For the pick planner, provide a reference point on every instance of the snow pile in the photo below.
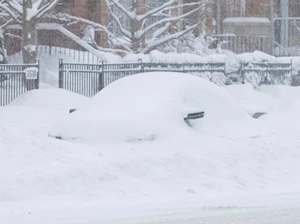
(50, 97)
(38, 110)
(252, 100)
(152, 113)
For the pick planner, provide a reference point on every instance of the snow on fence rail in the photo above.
(16, 80)
(88, 79)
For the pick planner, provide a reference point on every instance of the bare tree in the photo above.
(138, 27)
(27, 13)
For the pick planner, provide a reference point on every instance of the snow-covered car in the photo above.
(150, 106)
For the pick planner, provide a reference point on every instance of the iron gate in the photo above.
(16, 79)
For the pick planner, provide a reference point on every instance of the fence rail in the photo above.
(88, 79)
(16, 80)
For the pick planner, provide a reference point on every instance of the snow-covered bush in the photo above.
(296, 79)
(215, 77)
(189, 43)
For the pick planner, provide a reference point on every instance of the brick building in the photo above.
(250, 21)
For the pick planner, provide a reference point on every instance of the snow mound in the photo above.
(51, 97)
(152, 105)
(252, 100)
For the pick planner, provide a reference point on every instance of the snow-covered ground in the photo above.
(227, 168)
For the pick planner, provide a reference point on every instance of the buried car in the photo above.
(148, 106)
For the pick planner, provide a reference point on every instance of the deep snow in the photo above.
(244, 162)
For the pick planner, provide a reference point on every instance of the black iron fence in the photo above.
(88, 79)
(16, 80)
(267, 73)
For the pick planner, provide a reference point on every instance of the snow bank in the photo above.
(38, 110)
(153, 105)
(252, 100)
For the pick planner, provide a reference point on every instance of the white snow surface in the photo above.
(225, 162)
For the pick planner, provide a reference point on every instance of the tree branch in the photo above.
(158, 9)
(129, 14)
(9, 11)
(46, 8)
(169, 19)
(96, 25)
(116, 19)
(6, 23)
(155, 44)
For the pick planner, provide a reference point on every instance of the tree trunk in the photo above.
(29, 48)
(134, 28)
(2, 50)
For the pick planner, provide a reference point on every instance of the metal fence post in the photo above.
(37, 81)
(142, 66)
(61, 74)
(243, 74)
(292, 72)
(101, 77)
